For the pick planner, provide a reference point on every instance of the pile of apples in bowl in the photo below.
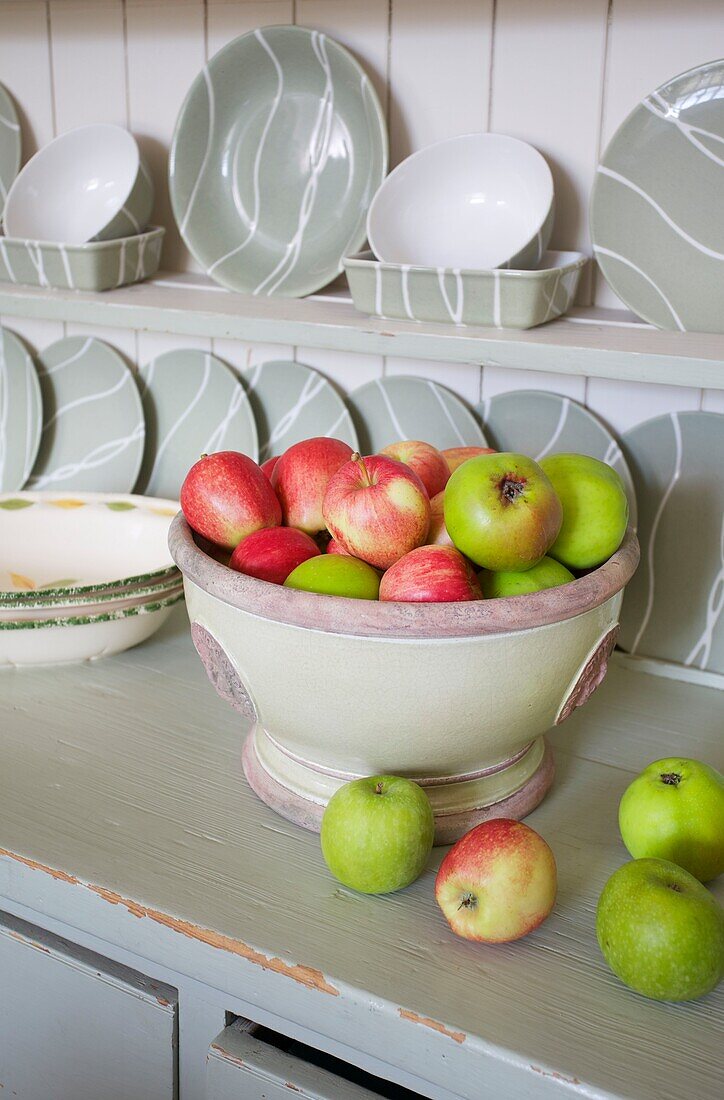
(416, 613)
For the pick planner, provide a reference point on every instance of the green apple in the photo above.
(336, 575)
(675, 810)
(595, 510)
(501, 511)
(546, 574)
(377, 833)
(661, 931)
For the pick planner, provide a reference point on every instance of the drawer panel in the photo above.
(74, 1025)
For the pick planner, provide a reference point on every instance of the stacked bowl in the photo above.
(82, 576)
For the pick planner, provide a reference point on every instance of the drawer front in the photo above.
(241, 1066)
(74, 1025)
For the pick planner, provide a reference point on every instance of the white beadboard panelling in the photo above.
(91, 30)
(649, 42)
(241, 355)
(37, 334)
(463, 378)
(546, 89)
(122, 339)
(227, 19)
(25, 70)
(502, 380)
(361, 27)
(151, 344)
(439, 71)
(347, 370)
(624, 404)
(713, 401)
(165, 54)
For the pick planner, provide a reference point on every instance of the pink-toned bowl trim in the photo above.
(369, 618)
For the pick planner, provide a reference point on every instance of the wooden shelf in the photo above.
(125, 817)
(592, 342)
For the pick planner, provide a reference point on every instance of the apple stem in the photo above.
(469, 901)
(380, 788)
(361, 463)
(672, 779)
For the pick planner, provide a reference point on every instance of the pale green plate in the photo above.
(278, 150)
(21, 413)
(537, 423)
(674, 605)
(93, 427)
(657, 208)
(401, 407)
(292, 402)
(193, 404)
(10, 144)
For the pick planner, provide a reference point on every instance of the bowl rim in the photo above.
(370, 618)
(485, 136)
(87, 618)
(163, 505)
(31, 165)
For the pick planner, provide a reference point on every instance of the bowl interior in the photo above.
(54, 543)
(467, 202)
(73, 187)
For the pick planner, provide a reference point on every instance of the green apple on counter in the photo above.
(548, 573)
(595, 509)
(336, 575)
(661, 931)
(675, 810)
(377, 833)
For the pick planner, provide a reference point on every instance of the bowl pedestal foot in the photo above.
(299, 790)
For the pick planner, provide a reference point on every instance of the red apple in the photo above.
(269, 465)
(225, 497)
(430, 574)
(273, 553)
(455, 456)
(437, 535)
(424, 459)
(377, 509)
(300, 480)
(333, 547)
(497, 883)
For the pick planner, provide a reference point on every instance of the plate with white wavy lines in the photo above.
(292, 402)
(278, 150)
(10, 144)
(93, 427)
(537, 423)
(674, 605)
(404, 407)
(193, 404)
(657, 206)
(21, 413)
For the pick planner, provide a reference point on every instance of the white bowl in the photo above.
(89, 184)
(479, 201)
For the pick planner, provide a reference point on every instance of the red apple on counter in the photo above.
(455, 456)
(300, 480)
(269, 465)
(333, 547)
(497, 883)
(273, 553)
(377, 509)
(225, 497)
(502, 512)
(437, 535)
(427, 462)
(430, 574)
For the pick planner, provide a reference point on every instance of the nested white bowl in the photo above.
(88, 184)
(479, 201)
(457, 696)
(82, 576)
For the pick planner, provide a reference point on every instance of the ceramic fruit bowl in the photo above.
(88, 184)
(82, 576)
(456, 696)
(477, 202)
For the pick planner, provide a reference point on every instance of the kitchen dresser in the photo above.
(165, 934)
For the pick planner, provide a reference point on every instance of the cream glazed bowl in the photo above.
(339, 688)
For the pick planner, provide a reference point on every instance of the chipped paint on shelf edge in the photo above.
(426, 1021)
